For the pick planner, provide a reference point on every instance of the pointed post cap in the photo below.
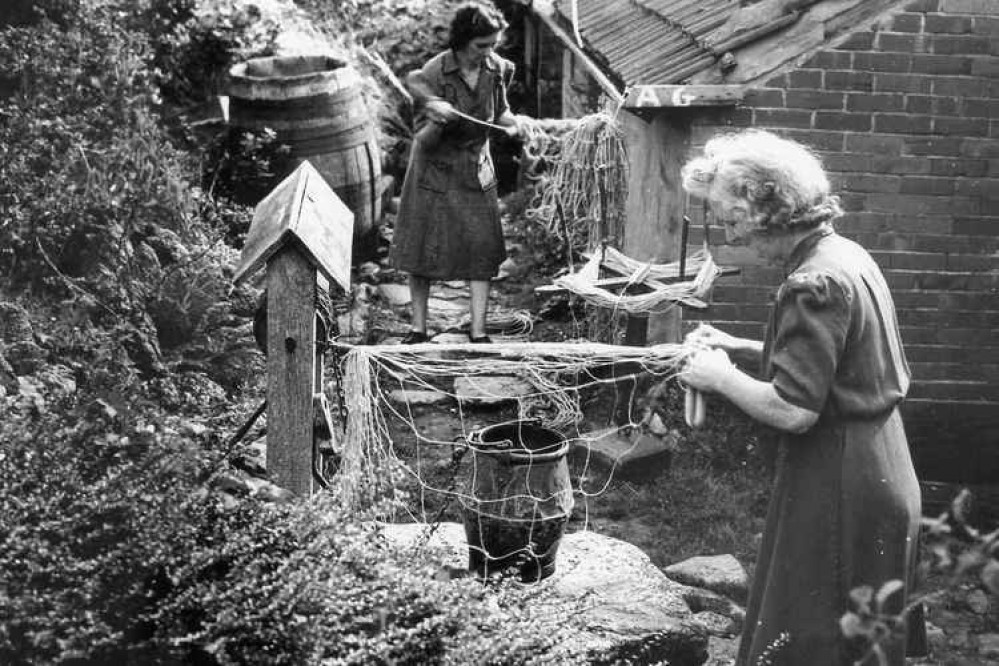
(304, 210)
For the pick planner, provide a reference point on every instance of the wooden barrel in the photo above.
(315, 106)
(519, 499)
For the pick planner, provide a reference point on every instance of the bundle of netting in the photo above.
(556, 372)
(580, 167)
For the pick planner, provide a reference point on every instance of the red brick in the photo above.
(961, 126)
(849, 81)
(915, 224)
(827, 60)
(976, 226)
(977, 187)
(899, 42)
(902, 123)
(953, 242)
(960, 44)
(900, 164)
(848, 162)
(782, 118)
(875, 102)
(804, 78)
(949, 24)
(958, 167)
(868, 182)
(931, 146)
(853, 203)
(906, 83)
(859, 41)
(926, 205)
(985, 66)
(874, 144)
(907, 23)
(818, 140)
(923, 6)
(917, 185)
(940, 106)
(985, 25)
(980, 108)
(959, 87)
(971, 262)
(814, 99)
(941, 65)
(985, 148)
(927, 261)
(763, 97)
(970, 7)
(847, 122)
(883, 62)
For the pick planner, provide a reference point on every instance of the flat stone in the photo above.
(719, 573)
(701, 600)
(394, 294)
(418, 396)
(632, 613)
(717, 625)
(639, 457)
(491, 390)
(988, 645)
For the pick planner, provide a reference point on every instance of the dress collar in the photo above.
(804, 247)
(450, 63)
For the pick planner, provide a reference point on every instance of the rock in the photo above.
(631, 612)
(719, 573)
(935, 636)
(716, 624)
(978, 602)
(8, 378)
(394, 294)
(418, 397)
(706, 601)
(491, 390)
(722, 651)
(638, 456)
(15, 325)
(25, 357)
(988, 646)
(252, 458)
(507, 269)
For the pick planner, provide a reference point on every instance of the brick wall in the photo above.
(906, 119)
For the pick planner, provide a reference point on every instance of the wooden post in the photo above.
(654, 209)
(303, 233)
(291, 368)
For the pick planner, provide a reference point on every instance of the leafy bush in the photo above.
(114, 549)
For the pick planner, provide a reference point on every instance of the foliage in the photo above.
(114, 549)
(958, 550)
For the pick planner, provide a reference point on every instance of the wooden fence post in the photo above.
(302, 232)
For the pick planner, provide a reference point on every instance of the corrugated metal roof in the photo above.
(649, 41)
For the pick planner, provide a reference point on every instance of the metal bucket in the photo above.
(519, 499)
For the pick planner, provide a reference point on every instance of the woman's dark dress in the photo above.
(448, 226)
(845, 509)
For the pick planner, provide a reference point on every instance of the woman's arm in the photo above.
(712, 371)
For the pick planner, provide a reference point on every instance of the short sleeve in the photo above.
(812, 322)
(507, 70)
(425, 85)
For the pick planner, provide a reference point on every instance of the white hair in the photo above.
(783, 180)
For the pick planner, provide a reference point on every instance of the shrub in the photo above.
(114, 550)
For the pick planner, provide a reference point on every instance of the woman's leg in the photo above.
(419, 294)
(479, 292)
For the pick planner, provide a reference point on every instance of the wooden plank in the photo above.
(291, 344)
(302, 207)
(664, 96)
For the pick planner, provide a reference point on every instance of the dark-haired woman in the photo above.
(845, 509)
(448, 227)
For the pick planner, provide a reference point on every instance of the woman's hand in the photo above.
(707, 370)
(440, 111)
(706, 335)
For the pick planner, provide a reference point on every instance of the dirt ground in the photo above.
(963, 620)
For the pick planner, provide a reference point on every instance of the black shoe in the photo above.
(414, 338)
(484, 340)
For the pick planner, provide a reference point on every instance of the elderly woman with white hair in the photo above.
(845, 509)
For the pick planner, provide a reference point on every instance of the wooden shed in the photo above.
(901, 100)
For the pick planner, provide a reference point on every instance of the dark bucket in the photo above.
(519, 499)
